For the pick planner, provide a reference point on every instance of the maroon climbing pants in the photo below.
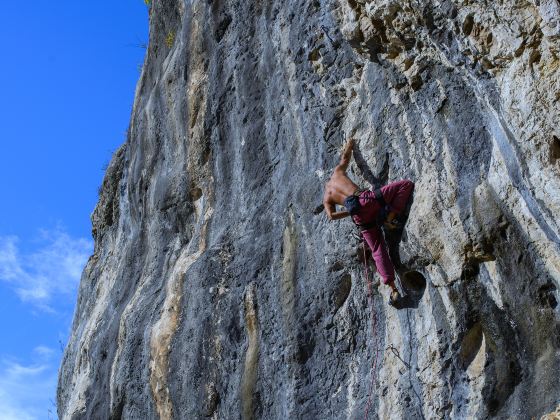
(396, 195)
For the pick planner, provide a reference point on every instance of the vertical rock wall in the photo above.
(218, 289)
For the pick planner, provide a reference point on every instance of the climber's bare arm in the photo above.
(346, 156)
(332, 214)
(339, 215)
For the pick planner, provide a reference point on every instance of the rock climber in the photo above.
(369, 210)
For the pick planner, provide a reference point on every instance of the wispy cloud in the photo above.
(44, 352)
(27, 392)
(50, 270)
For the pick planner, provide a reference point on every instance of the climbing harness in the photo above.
(352, 204)
(368, 281)
(353, 200)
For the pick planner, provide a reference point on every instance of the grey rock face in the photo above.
(218, 289)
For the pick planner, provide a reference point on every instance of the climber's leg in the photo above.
(376, 243)
(396, 195)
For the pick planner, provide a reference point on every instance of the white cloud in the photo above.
(27, 392)
(43, 352)
(51, 270)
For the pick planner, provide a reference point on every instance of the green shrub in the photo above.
(170, 39)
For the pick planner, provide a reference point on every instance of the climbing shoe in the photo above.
(393, 224)
(394, 298)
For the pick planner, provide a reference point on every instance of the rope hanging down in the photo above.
(395, 351)
(368, 281)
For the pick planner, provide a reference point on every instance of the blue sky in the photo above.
(69, 70)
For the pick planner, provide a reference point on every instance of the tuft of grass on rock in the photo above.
(170, 39)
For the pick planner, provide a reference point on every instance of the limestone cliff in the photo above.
(218, 289)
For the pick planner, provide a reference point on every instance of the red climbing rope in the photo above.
(373, 327)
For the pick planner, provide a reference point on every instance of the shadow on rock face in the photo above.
(470, 345)
(545, 296)
(342, 291)
(413, 284)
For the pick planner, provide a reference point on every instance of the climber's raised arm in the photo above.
(346, 156)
